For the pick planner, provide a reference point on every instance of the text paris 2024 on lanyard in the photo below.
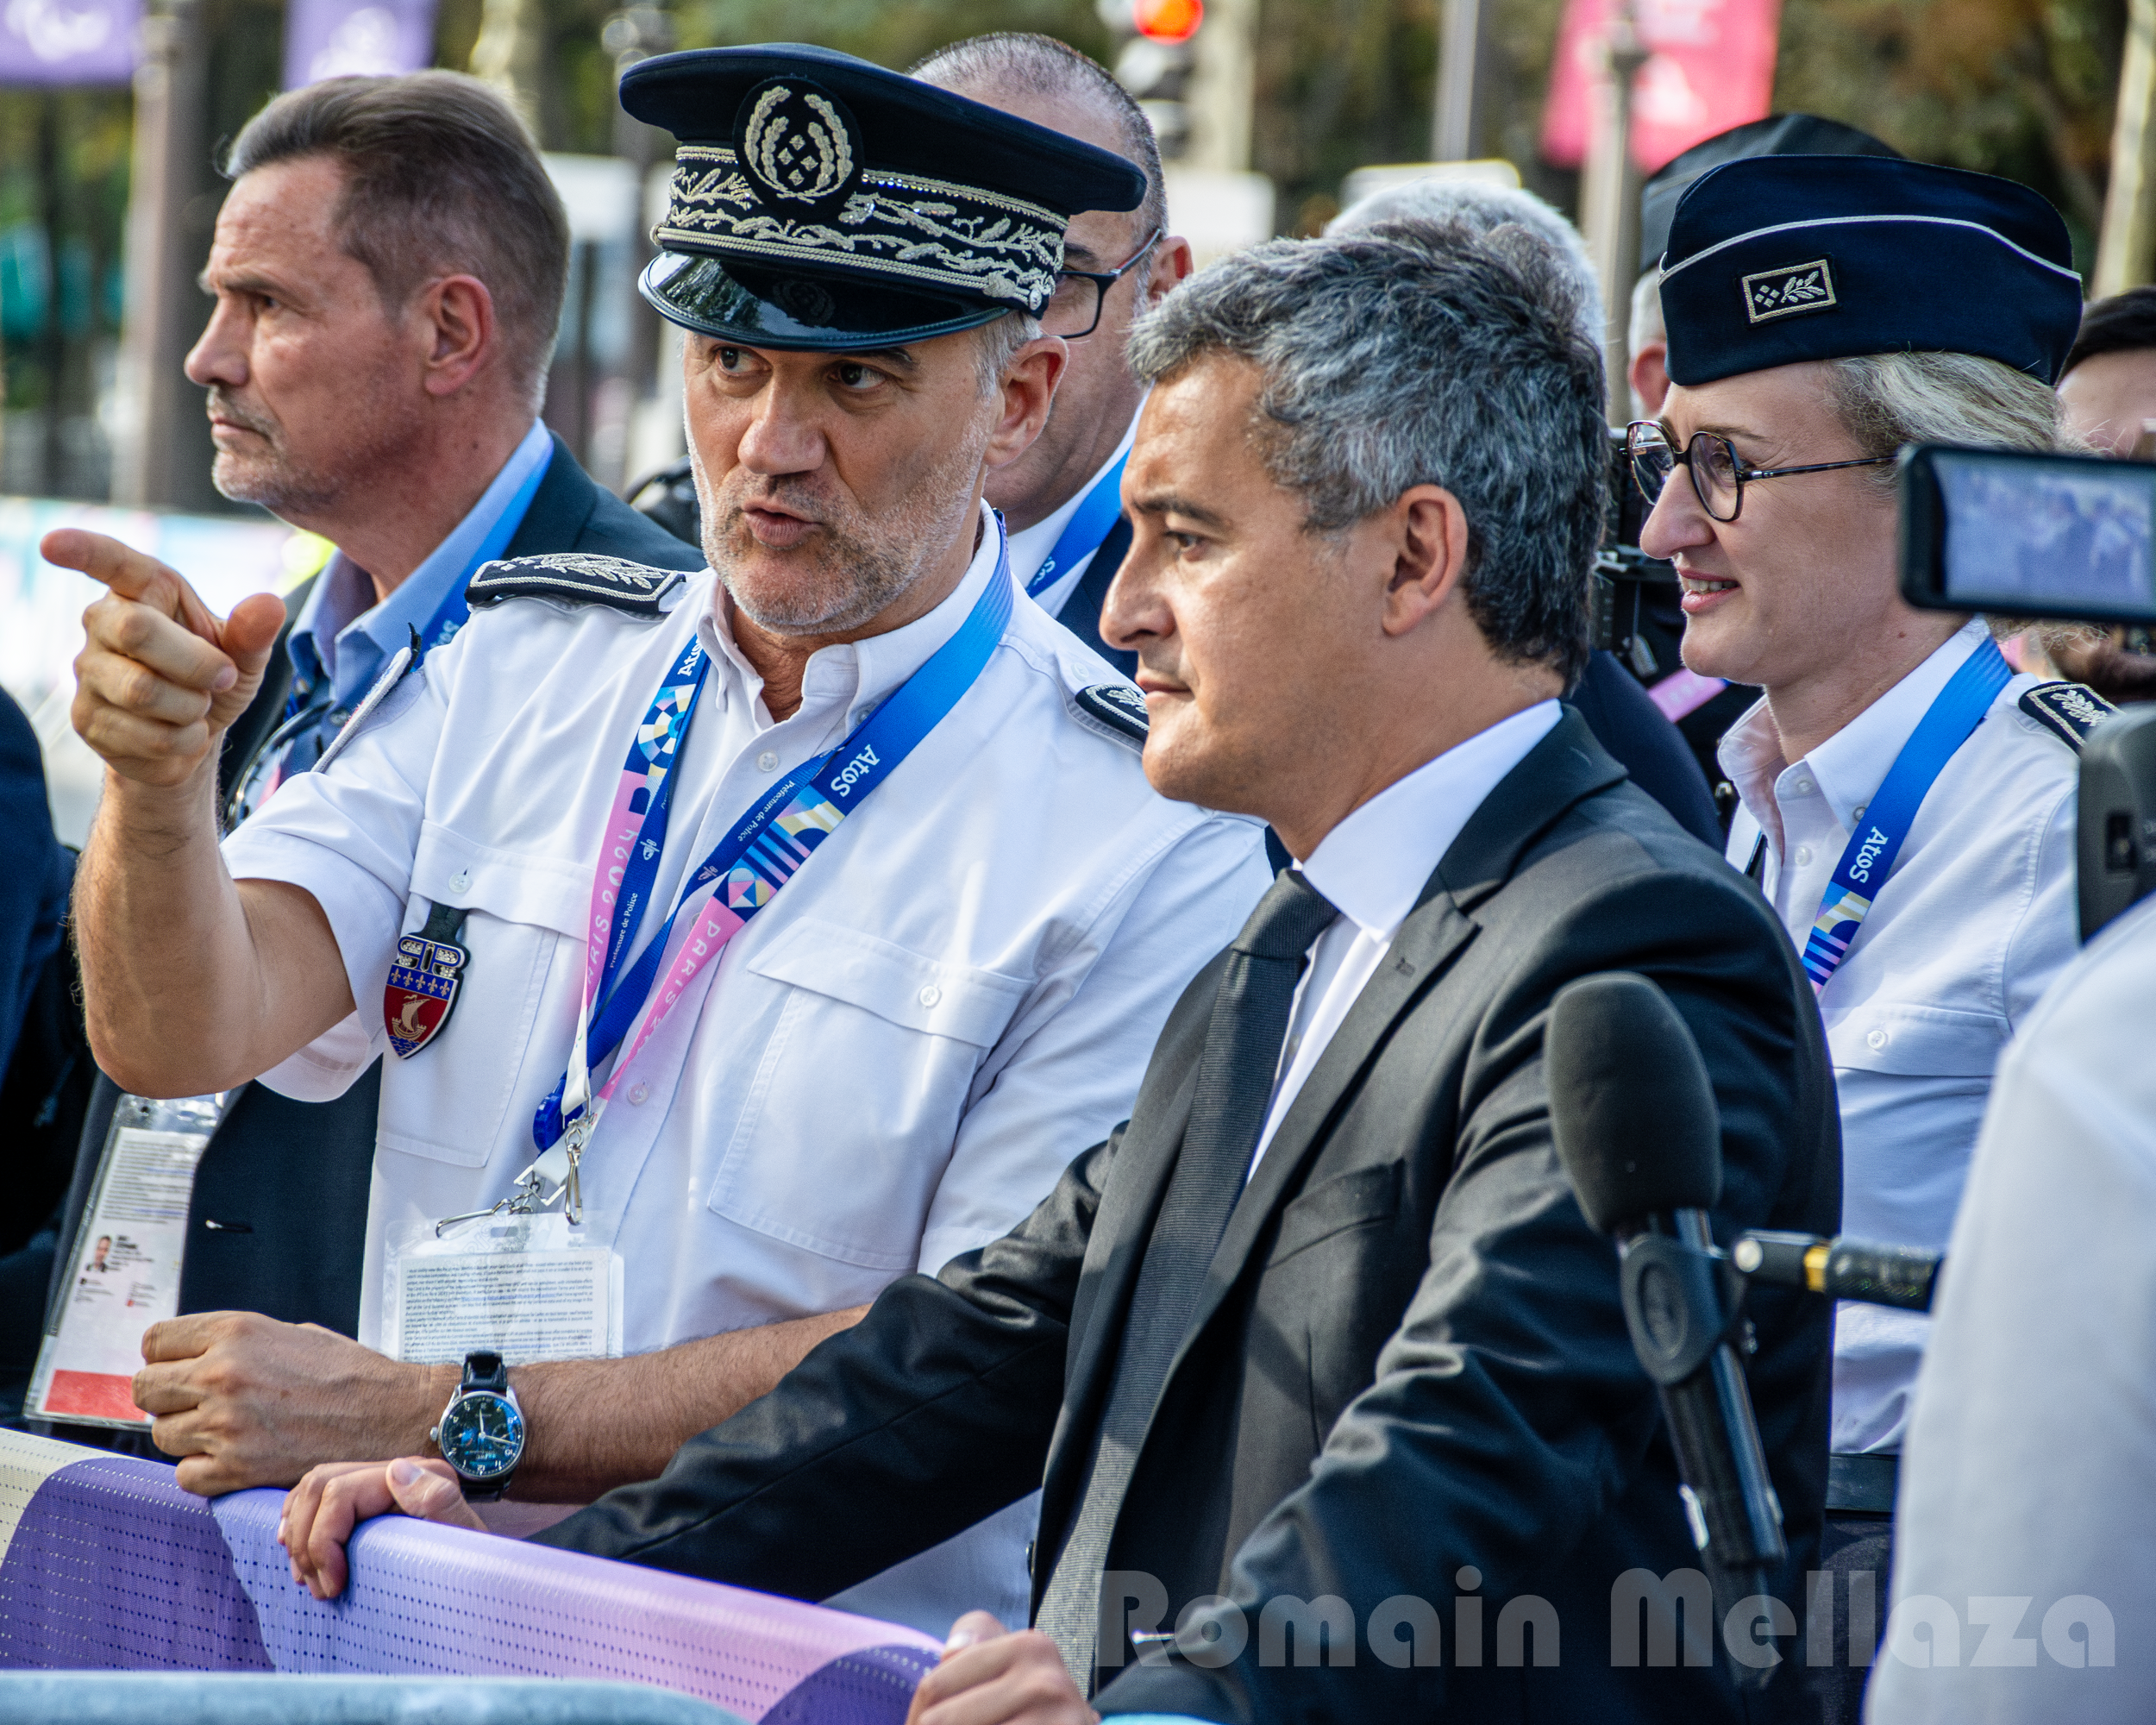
(531, 1284)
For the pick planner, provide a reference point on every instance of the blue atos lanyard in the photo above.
(1088, 526)
(1869, 857)
(742, 875)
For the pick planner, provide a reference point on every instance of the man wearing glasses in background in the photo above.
(1061, 498)
(1908, 802)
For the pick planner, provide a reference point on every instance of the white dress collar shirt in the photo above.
(1373, 866)
(1976, 919)
(1029, 548)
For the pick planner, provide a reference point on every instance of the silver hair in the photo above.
(1412, 354)
(998, 342)
(1481, 208)
(1017, 63)
(1888, 401)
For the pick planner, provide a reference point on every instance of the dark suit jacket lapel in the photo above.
(1117, 1247)
(1567, 765)
(563, 503)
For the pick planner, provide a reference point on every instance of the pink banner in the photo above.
(1711, 67)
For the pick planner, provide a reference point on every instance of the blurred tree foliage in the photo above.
(575, 105)
(59, 279)
(893, 33)
(2019, 87)
(2023, 88)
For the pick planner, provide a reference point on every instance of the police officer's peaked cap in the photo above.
(1784, 134)
(1783, 259)
(822, 202)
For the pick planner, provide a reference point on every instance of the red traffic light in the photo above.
(1168, 21)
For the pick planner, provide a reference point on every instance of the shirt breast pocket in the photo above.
(856, 1102)
(1917, 1042)
(450, 1102)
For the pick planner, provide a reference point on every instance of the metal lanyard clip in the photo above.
(555, 1177)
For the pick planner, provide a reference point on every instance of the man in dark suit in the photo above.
(388, 272)
(1319, 1345)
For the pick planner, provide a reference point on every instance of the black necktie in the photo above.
(1250, 1020)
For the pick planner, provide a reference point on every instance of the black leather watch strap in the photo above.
(485, 1370)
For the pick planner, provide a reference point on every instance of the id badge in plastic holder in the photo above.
(128, 1251)
(527, 1288)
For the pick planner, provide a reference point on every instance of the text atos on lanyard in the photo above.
(741, 875)
(1869, 855)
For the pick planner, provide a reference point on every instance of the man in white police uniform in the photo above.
(388, 271)
(1063, 497)
(825, 1070)
(1908, 801)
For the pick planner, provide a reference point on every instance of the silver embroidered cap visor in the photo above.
(821, 203)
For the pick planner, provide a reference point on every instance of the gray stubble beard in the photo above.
(877, 571)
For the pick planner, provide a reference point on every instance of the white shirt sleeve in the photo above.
(2026, 1522)
(348, 836)
(2049, 933)
(1063, 1076)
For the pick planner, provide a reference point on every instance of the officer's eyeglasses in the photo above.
(1718, 476)
(1073, 311)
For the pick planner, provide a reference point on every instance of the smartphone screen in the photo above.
(2051, 536)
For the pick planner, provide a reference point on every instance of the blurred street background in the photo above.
(1273, 114)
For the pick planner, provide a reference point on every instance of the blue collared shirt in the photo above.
(343, 635)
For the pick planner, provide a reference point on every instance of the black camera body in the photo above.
(2057, 539)
(1637, 617)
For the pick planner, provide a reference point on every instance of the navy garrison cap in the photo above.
(1784, 134)
(1782, 259)
(824, 204)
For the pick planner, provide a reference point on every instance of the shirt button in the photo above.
(930, 994)
(639, 1094)
(1803, 855)
(1877, 1040)
(460, 881)
(767, 762)
(1804, 788)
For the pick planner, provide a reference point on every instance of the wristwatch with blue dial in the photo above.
(482, 1430)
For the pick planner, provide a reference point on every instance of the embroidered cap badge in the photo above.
(1793, 288)
(798, 143)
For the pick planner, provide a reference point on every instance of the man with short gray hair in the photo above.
(1320, 1335)
(386, 275)
(1609, 697)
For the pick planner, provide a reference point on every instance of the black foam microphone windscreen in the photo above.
(1630, 1104)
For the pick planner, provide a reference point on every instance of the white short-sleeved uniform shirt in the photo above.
(2025, 1501)
(1975, 921)
(889, 1066)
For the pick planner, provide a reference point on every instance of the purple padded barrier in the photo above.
(111, 1566)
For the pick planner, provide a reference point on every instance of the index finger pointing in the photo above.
(131, 573)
